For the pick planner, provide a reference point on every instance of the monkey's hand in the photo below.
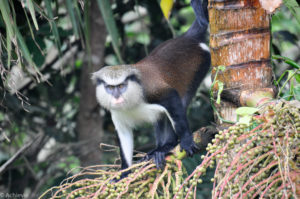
(187, 144)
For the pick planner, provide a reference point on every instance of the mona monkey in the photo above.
(158, 90)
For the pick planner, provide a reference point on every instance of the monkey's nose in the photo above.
(118, 100)
(116, 93)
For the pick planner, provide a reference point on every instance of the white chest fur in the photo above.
(126, 120)
(143, 113)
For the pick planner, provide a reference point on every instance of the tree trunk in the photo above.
(240, 41)
(89, 121)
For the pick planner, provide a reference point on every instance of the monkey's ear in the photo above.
(95, 77)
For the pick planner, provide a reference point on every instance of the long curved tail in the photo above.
(199, 26)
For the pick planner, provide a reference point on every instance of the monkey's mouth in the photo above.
(117, 101)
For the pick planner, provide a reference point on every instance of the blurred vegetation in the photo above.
(43, 50)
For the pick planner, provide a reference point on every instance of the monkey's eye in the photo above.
(122, 87)
(110, 87)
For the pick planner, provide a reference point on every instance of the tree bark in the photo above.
(240, 41)
(89, 121)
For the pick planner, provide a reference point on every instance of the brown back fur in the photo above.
(173, 64)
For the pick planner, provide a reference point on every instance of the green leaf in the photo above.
(28, 22)
(10, 34)
(26, 54)
(86, 28)
(79, 20)
(32, 13)
(293, 6)
(1, 117)
(296, 91)
(8, 48)
(143, 38)
(70, 9)
(291, 74)
(212, 98)
(222, 68)
(65, 32)
(24, 48)
(62, 165)
(245, 119)
(243, 111)
(78, 14)
(110, 23)
(40, 10)
(280, 78)
(45, 30)
(220, 90)
(287, 60)
(6, 14)
(35, 47)
(78, 63)
(53, 24)
(297, 77)
(35, 44)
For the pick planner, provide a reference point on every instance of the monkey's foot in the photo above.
(158, 156)
(189, 146)
(124, 174)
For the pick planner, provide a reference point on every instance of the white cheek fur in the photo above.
(133, 95)
(103, 97)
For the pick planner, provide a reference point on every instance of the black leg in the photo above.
(172, 102)
(124, 164)
(166, 140)
(166, 135)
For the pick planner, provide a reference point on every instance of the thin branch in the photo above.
(16, 155)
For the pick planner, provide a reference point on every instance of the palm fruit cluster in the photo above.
(255, 160)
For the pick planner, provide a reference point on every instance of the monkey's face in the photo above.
(117, 89)
(122, 96)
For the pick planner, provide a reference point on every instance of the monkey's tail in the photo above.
(199, 26)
